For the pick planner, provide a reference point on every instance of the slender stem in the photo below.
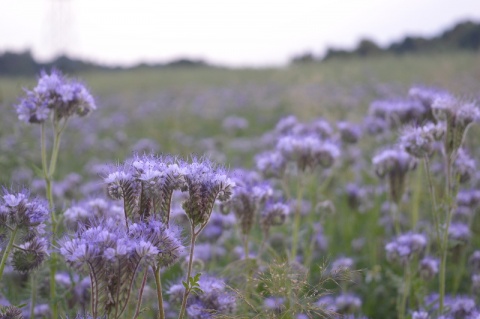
(296, 219)
(416, 197)
(53, 295)
(158, 283)
(460, 270)
(431, 189)
(189, 272)
(33, 295)
(140, 295)
(7, 250)
(394, 212)
(43, 150)
(49, 172)
(405, 293)
(245, 246)
(444, 244)
(56, 147)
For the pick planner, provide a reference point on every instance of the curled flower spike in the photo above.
(428, 267)
(146, 185)
(85, 211)
(397, 112)
(464, 166)
(18, 210)
(349, 132)
(308, 151)
(250, 195)
(112, 255)
(418, 141)
(205, 184)
(30, 255)
(55, 94)
(458, 115)
(394, 163)
(274, 214)
(271, 164)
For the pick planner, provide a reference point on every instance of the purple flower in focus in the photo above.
(55, 94)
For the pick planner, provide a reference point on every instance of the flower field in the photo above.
(341, 189)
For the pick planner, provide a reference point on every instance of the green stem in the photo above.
(444, 244)
(56, 147)
(140, 295)
(53, 295)
(459, 270)
(7, 250)
(43, 151)
(405, 293)
(296, 220)
(436, 220)
(49, 172)
(416, 197)
(245, 246)
(33, 295)
(396, 223)
(158, 283)
(189, 272)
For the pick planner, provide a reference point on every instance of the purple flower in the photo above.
(459, 233)
(420, 315)
(55, 93)
(418, 141)
(271, 164)
(250, 195)
(405, 246)
(308, 151)
(428, 267)
(349, 132)
(273, 214)
(205, 184)
(18, 210)
(347, 303)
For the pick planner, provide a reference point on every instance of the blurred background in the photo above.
(248, 33)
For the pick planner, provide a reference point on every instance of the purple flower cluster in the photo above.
(394, 163)
(55, 94)
(86, 211)
(345, 303)
(418, 141)
(112, 255)
(405, 247)
(20, 213)
(273, 214)
(306, 145)
(457, 307)
(212, 301)
(205, 183)
(18, 210)
(251, 193)
(146, 184)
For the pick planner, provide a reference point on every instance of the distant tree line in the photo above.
(464, 36)
(23, 63)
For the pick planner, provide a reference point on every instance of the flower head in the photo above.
(55, 94)
(205, 184)
(405, 246)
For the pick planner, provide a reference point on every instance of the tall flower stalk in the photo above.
(457, 116)
(205, 184)
(55, 98)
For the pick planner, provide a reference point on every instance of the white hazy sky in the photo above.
(228, 32)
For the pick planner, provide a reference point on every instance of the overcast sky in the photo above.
(228, 32)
